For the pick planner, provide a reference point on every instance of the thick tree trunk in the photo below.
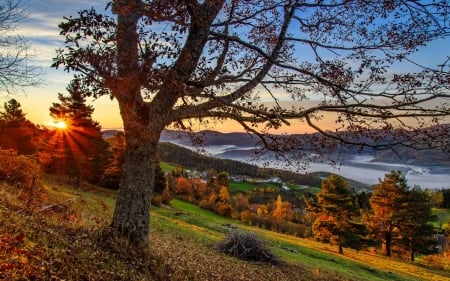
(132, 213)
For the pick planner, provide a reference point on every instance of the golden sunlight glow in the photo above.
(60, 125)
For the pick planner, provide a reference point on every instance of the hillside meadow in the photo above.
(65, 238)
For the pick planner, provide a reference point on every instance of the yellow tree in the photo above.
(225, 59)
(283, 209)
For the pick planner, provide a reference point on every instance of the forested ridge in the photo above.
(189, 159)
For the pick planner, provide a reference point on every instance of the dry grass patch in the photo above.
(180, 258)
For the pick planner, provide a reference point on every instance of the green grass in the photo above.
(243, 187)
(310, 189)
(443, 216)
(208, 227)
(166, 167)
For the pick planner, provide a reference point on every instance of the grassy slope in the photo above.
(182, 238)
(208, 227)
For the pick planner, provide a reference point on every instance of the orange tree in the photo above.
(178, 62)
(336, 214)
(387, 202)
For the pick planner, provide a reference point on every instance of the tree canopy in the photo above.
(182, 62)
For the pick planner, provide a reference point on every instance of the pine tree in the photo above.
(13, 114)
(16, 132)
(387, 202)
(82, 146)
(336, 213)
(416, 228)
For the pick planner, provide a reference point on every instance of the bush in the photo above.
(247, 246)
(19, 179)
(18, 170)
(439, 261)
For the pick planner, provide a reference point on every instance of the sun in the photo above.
(60, 125)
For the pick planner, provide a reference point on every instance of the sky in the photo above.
(41, 29)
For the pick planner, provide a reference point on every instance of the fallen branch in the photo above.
(47, 207)
(58, 204)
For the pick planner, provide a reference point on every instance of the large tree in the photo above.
(388, 203)
(181, 62)
(336, 213)
(15, 70)
(417, 230)
(83, 151)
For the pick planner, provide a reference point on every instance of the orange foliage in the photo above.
(183, 186)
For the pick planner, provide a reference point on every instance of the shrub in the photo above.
(19, 177)
(439, 261)
(18, 170)
(247, 246)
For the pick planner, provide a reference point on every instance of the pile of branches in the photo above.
(247, 246)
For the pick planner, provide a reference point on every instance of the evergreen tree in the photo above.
(16, 132)
(12, 114)
(387, 202)
(84, 151)
(416, 228)
(335, 213)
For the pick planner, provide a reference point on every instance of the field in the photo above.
(243, 187)
(166, 167)
(443, 216)
(65, 242)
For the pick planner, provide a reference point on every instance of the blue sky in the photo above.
(41, 29)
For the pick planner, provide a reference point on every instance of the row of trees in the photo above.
(399, 217)
(396, 218)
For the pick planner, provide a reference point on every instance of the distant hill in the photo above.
(172, 153)
(241, 144)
